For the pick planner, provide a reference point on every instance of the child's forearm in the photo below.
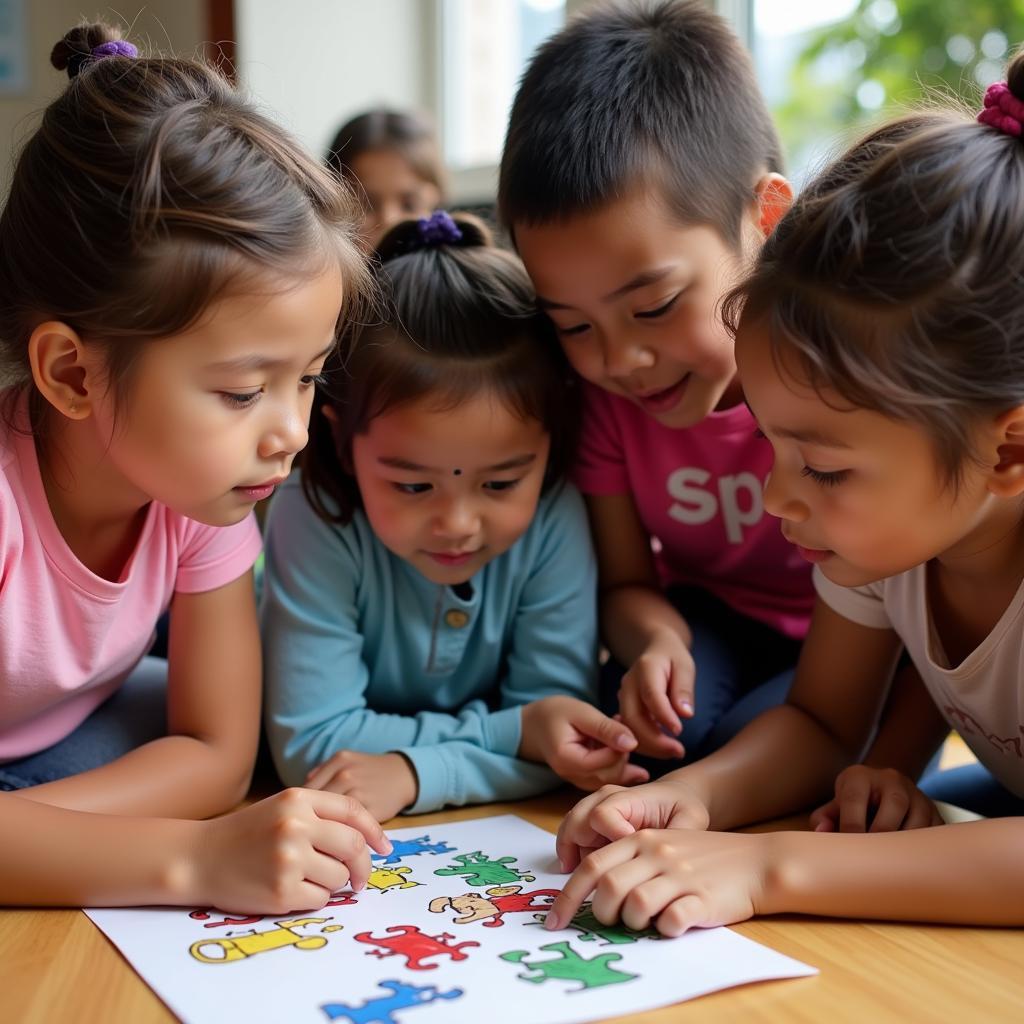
(174, 777)
(781, 763)
(970, 873)
(632, 615)
(55, 857)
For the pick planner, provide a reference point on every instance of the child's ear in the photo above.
(774, 196)
(61, 368)
(1007, 477)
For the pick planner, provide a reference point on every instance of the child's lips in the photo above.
(662, 400)
(451, 557)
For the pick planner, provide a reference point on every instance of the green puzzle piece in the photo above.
(612, 934)
(478, 869)
(570, 966)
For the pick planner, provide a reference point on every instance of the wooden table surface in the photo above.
(55, 966)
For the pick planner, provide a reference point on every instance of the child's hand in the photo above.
(656, 693)
(286, 853)
(874, 800)
(383, 783)
(579, 743)
(674, 879)
(613, 813)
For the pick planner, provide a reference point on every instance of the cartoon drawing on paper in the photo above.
(410, 848)
(241, 947)
(568, 965)
(391, 878)
(491, 905)
(414, 945)
(478, 869)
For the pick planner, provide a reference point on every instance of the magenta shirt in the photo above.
(698, 494)
(69, 638)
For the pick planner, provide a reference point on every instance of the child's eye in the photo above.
(832, 479)
(568, 332)
(500, 485)
(241, 399)
(653, 314)
(411, 488)
(312, 379)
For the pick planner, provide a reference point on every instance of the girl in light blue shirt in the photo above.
(429, 614)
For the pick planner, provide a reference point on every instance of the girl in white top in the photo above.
(881, 345)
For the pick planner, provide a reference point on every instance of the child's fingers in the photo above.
(576, 833)
(923, 814)
(681, 689)
(347, 811)
(891, 812)
(633, 774)
(583, 882)
(650, 739)
(617, 736)
(687, 912)
(826, 817)
(854, 802)
(653, 685)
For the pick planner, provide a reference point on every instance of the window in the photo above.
(485, 45)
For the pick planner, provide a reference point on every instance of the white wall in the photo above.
(177, 25)
(341, 56)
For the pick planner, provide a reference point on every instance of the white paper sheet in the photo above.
(448, 932)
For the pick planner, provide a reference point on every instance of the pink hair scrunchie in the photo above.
(1003, 110)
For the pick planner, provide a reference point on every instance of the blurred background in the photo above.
(828, 67)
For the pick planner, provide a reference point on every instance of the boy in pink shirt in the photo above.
(640, 175)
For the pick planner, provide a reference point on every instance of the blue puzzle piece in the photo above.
(409, 848)
(380, 1010)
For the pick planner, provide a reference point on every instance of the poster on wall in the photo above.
(13, 47)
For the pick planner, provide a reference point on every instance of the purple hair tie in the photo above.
(115, 48)
(438, 229)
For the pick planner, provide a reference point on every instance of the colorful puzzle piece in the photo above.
(241, 947)
(568, 965)
(414, 945)
(410, 848)
(612, 934)
(382, 1009)
(391, 878)
(478, 869)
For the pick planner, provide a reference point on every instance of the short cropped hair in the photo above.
(662, 93)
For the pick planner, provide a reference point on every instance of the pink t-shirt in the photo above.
(69, 638)
(698, 493)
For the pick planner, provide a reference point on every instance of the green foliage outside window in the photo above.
(890, 54)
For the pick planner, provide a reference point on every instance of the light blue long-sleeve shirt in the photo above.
(362, 652)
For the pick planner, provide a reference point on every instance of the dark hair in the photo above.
(150, 189)
(460, 318)
(895, 279)
(659, 93)
(406, 133)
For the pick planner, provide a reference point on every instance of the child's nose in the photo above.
(625, 354)
(458, 518)
(781, 500)
(287, 435)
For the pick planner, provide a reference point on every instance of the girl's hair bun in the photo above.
(438, 231)
(76, 45)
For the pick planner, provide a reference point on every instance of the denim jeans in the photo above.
(134, 715)
(973, 787)
(743, 667)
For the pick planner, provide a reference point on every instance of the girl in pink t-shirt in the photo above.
(172, 272)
